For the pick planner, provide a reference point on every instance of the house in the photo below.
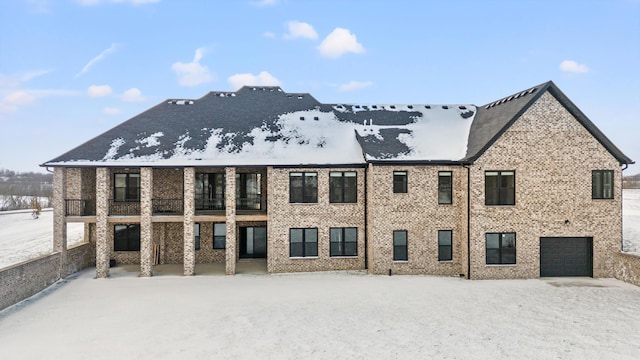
(522, 187)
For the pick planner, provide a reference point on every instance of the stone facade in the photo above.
(322, 215)
(552, 155)
(627, 268)
(418, 212)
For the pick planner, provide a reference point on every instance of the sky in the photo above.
(72, 69)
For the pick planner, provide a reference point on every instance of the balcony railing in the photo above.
(253, 202)
(75, 207)
(167, 206)
(214, 204)
(127, 207)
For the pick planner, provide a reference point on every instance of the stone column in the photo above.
(189, 211)
(146, 227)
(59, 212)
(230, 207)
(103, 250)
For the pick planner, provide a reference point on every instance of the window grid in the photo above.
(303, 187)
(500, 248)
(343, 241)
(219, 235)
(602, 184)
(445, 245)
(445, 187)
(400, 245)
(303, 242)
(500, 187)
(343, 187)
(126, 237)
(400, 182)
(126, 187)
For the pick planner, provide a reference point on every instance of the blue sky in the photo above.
(71, 69)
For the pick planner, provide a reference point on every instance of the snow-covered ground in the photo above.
(631, 220)
(331, 315)
(23, 237)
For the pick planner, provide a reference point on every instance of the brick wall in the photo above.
(553, 156)
(627, 268)
(419, 213)
(322, 215)
(27, 278)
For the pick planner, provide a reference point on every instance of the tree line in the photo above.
(18, 189)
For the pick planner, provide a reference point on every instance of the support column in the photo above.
(59, 222)
(230, 207)
(103, 250)
(146, 227)
(189, 211)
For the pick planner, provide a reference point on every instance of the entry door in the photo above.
(253, 242)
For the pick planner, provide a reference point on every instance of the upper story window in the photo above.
(399, 181)
(209, 190)
(303, 187)
(248, 191)
(602, 184)
(445, 187)
(126, 187)
(500, 188)
(343, 187)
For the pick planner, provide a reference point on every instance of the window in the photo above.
(400, 245)
(209, 191)
(444, 245)
(501, 248)
(303, 187)
(303, 242)
(219, 235)
(196, 236)
(248, 191)
(126, 237)
(126, 187)
(344, 242)
(399, 181)
(343, 187)
(602, 184)
(445, 187)
(500, 188)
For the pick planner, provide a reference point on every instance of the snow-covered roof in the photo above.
(266, 126)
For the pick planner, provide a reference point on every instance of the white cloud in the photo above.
(13, 100)
(269, 34)
(299, 29)
(102, 55)
(262, 79)
(17, 80)
(340, 42)
(99, 90)
(573, 67)
(264, 2)
(111, 111)
(132, 95)
(193, 73)
(355, 85)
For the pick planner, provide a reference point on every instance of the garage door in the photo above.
(566, 256)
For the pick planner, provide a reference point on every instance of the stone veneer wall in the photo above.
(322, 215)
(419, 213)
(20, 281)
(553, 156)
(627, 268)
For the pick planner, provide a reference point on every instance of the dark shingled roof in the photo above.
(494, 118)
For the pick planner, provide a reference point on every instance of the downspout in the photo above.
(468, 221)
(366, 228)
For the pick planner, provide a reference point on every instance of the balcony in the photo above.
(126, 208)
(253, 202)
(75, 207)
(204, 205)
(167, 206)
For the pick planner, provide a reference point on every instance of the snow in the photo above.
(345, 315)
(631, 220)
(23, 237)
